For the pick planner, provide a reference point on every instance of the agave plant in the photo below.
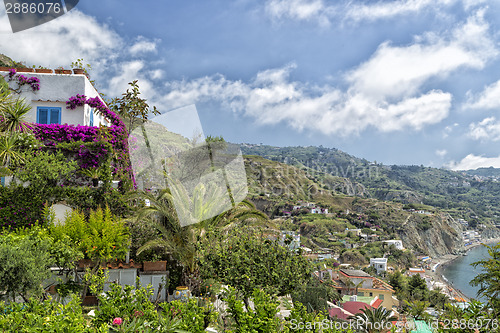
(13, 116)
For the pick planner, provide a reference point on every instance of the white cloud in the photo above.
(142, 46)
(385, 92)
(396, 71)
(298, 10)
(472, 161)
(61, 41)
(487, 129)
(387, 9)
(354, 11)
(441, 152)
(489, 98)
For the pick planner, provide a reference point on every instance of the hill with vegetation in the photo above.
(460, 194)
(277, 187)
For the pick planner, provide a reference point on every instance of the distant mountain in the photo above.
(461, 194)
(490, 172)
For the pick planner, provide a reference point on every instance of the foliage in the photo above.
(262, 318)
(374, 320)
(246, 260)
(45, 169)
(24, 262)
(195, 317)
(47, 316)
(134, 109)
(315, 294)
(126, 302)
(100, 237)
(489, 280)
(19, 207)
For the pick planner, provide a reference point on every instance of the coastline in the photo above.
(443, 262)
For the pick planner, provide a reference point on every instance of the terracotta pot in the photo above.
(78, 71)
(82, 263)
(63, 71)
(151, 266)
(90, 300)
(5, 69)
(25, 70)
(43, 70)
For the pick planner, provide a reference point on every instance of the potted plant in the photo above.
(41, 69)
(25, 70)
(93, 173)
(154, 264)
(80, 68)
(61, 70)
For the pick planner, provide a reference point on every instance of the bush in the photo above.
(46, 316)
(126, 302)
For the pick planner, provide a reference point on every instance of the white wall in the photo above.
(55, 90)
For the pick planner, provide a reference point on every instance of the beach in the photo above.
(436, 279)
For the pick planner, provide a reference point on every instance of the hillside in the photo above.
(275, 187)
(460, 194)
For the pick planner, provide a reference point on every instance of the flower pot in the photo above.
(25, 70)
(83, 263)
(90, 300)
(62, 71)
(152, 266)
(182, 293)
(5, 69)
(78, 71)
(44, 70)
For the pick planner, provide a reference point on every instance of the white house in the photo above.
(380, 264)
(49, 102)
(396, 242)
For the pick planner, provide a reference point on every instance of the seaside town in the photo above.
(305, 166)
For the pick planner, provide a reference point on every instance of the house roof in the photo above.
(340, 313)
(354, 306)
(355, 273)
(377, 303)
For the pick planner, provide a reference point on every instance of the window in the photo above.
(380, 296)
(361, 293)
(48, 115)
(91, 121)
(371, 294)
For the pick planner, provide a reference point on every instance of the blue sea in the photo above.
(460, 272)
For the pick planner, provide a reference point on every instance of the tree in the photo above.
(489, 280)
(374, 320)
(133, 109)
(248, 259)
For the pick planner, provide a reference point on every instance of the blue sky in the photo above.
(399, 82)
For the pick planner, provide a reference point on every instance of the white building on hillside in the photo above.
(49, 102)
(380, 264)
(396, 242)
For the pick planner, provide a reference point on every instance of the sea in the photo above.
(459, 272)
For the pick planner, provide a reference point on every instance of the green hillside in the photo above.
(458, 193)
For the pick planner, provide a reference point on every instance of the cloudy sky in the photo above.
(398, 82)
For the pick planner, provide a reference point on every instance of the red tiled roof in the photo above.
(354, 306)
(338, 313)
(377, 303)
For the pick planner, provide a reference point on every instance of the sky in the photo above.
(413, 82)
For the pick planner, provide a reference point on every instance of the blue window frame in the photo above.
(48, 115)
(91, 122)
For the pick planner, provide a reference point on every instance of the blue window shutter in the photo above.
(2, 181)
(91, 123)
(46, 115)
(55, 115)
(42, 116)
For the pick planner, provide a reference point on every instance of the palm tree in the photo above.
(10, 150)
(13, 116)
(374, 320)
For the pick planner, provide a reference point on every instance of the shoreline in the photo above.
(443, 262)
